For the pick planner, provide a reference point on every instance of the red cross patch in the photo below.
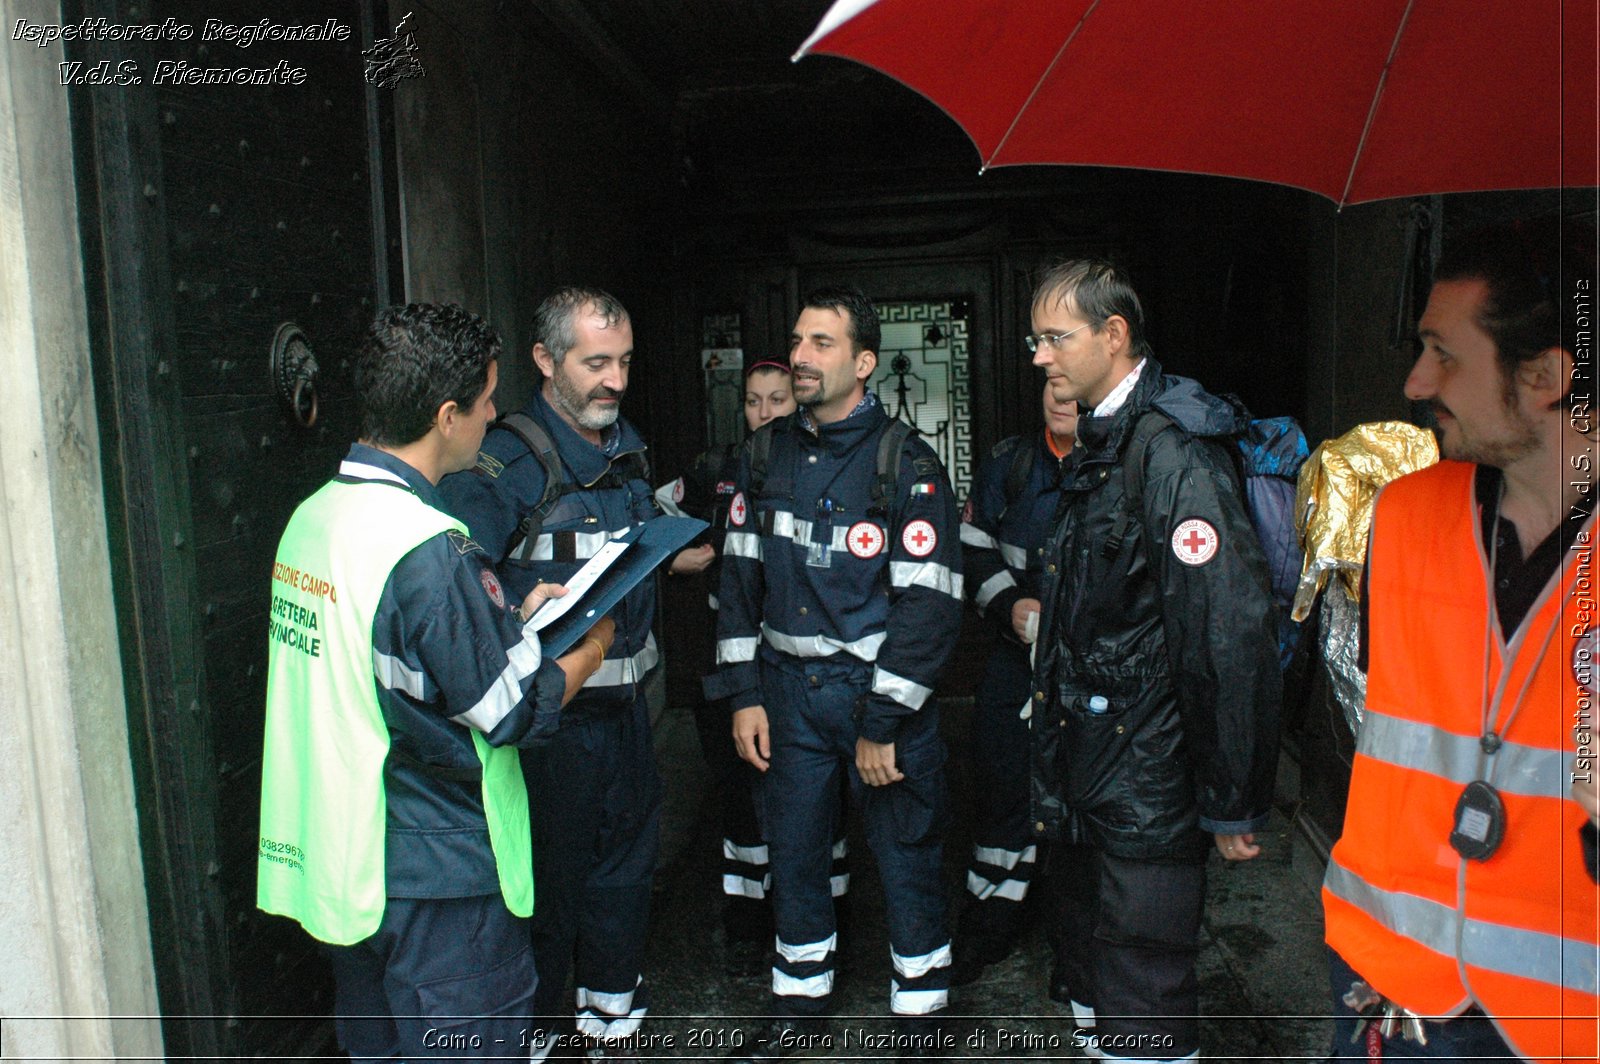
(738, 512)
(865, 539)
(1586, 659)
(919, 538)
(491, 585)
(1195, 542)
(677, 490)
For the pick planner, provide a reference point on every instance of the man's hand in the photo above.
(750, 736)
(540, 594)
(1019, 616)
(1238, 847)
(875, 762)
(1584, 793)
(692, 560)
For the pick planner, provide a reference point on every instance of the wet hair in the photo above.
(1096, 289)
(865, 332)
(1540, 276)
(416, 358)
(555, 322)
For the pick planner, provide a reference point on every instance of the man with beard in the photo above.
(840, 601)
(552, 485)
(1459, 900)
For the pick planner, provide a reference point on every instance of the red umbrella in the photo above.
(1360, 100)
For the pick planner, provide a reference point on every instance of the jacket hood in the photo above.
(1196, 410)
(1191, 408)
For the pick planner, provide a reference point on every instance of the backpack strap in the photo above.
(542, 447)
(1149, 425)
(890, 441)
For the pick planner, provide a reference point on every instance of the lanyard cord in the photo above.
(1492, 731)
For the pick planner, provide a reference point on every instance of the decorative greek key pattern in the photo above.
(922, 378)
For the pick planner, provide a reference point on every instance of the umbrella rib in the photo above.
(1039, 85)
(1372, 111)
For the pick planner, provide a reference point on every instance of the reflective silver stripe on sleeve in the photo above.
(908, 693)
(973, 536)
(917, 967)
(821, 646)
(737, 651)
(585, 545)
(992, 587)
(1530, 771)
(395, 675)
(930, 575)
(742, 545)
(522, 661)
(614, 672)
(1014, 556)
(1536, 955)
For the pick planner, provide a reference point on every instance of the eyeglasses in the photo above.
(1051, 340)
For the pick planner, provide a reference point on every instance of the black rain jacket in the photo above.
(1185, 655)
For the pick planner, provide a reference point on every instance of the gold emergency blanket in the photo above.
(1333, 508)
(1333, 505)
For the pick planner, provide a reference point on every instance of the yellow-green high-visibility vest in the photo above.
(321, 858)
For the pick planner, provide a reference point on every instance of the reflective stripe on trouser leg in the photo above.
(594, 855)
(905, 827)
(1004, 856)
(801, 796)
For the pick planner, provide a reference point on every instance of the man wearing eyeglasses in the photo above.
(1156, 687)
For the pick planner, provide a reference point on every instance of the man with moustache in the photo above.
(1156, 681)
(1460, 898)
(1003, 532)
(594, 859)
(840, 601)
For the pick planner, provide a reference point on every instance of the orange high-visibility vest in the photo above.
(1517, 934)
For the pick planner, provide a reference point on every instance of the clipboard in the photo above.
(603, 581)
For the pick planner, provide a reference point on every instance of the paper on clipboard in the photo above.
(578, 585)
(603, 581)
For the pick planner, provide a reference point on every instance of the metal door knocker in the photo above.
(293, 369)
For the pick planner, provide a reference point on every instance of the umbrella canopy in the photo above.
(1359, 100)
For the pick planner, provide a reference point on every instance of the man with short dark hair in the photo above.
(394, 824)
(553, 485)
(840, 601)
(1460, 899)
(1156, 682)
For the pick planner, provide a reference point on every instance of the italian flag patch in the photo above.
(924, 489)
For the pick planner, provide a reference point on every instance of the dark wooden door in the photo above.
(214, 215)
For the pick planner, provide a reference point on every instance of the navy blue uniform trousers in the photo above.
(596, 817)
(810, 706)
(441, 979)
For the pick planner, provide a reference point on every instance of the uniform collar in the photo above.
(587, 462)
(368, 463)
(839, 436)
(1102, 435)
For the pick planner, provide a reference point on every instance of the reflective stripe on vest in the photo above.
(323, 812)
(1516, 933)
